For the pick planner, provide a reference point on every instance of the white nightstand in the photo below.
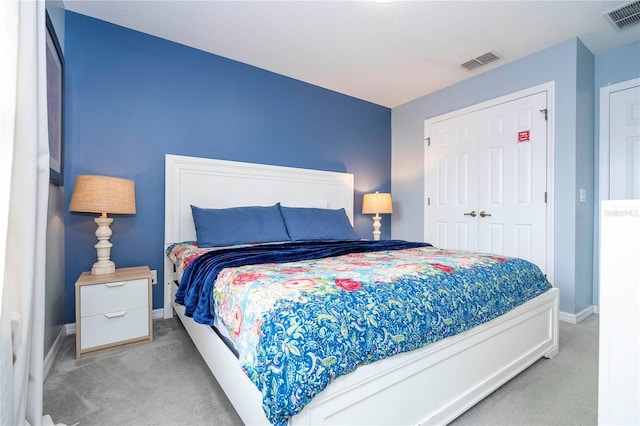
(113, 310)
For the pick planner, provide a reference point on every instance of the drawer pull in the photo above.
(116, 314)
(116, 284)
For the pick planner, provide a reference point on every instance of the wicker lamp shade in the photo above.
(103, 194)
(377, 203)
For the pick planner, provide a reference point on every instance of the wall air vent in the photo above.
(625, 16)
(481, 61)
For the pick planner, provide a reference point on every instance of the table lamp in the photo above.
(104, 195)
(377, 203)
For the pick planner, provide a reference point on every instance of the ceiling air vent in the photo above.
(480, 61)
(625, 16)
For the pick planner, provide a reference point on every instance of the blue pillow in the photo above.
(317, 224)
(238, 225)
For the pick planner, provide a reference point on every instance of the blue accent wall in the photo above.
(131, 98)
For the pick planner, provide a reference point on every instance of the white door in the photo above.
(624, 144)
(512, 179)
(485, 180)
(452, 175)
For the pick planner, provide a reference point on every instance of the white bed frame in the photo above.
(431, 385)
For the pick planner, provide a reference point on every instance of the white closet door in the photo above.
(485, 180)
(512, 179)
(624, 144)
(452, 171)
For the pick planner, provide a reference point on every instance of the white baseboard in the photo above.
(51, 355)
(579, 317)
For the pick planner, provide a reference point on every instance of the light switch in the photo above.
(583, 195)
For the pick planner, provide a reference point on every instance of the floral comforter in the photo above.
(298, 325)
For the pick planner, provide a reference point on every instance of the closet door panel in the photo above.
(512, 179)
(624, 144)
(451, 181)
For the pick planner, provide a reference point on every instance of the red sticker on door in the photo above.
(524, 136)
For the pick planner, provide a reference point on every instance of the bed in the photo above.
(396, 390)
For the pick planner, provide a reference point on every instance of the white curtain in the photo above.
(24, 186)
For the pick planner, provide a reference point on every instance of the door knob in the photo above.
(484, 214)
(472, 213)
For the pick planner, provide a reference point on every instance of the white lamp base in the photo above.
(376, 227)
(104, 265)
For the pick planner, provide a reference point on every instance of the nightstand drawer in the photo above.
(103, 329)
(114, 296)
(113, 310)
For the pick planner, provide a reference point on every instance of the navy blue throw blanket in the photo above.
(196, 286)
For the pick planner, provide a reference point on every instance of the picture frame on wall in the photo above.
(55, 105)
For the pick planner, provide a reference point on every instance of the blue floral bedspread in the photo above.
(297, 325)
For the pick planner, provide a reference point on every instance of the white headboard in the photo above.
(209, 183)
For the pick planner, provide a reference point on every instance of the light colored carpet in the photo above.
(166, 382)
(558, 391)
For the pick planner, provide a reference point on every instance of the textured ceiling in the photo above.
(385, 53)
